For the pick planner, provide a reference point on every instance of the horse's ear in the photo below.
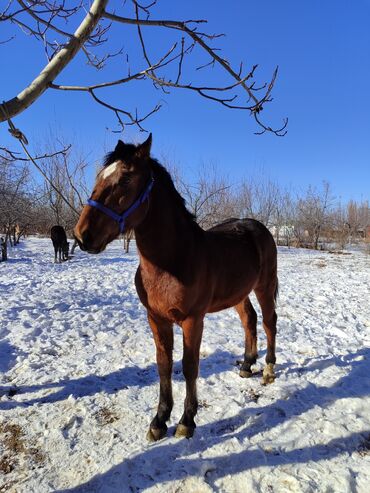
(119, 145)
(143, 149)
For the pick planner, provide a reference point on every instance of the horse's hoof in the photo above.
(245, 373)
(268, 374)
(268, 379)
(183, 431)
(155, 434)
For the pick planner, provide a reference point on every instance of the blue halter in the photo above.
(120, 218)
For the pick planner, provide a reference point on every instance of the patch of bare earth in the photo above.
(106, 416)
(15, 449)
(364, 448)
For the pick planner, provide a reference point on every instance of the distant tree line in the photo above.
(309, 219)
(312, 219)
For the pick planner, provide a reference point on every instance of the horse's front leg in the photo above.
(192, 337)
(163, 338)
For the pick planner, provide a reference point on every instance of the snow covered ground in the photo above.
(78, 383)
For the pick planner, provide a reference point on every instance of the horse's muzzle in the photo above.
(85, 243)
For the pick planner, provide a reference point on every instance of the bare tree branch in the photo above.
(24, 99)
(258, 103)
(15, 156)
(42, 17)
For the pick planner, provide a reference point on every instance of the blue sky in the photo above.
(322, 48)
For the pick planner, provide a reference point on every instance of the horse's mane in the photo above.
(163, 176)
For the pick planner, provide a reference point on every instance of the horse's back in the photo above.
(247, 231)
(58, 235)
(240, 227)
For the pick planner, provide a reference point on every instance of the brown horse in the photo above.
(184, 272)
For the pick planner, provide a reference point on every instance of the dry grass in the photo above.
(12, 437)
(12, 441)
(14, 446)
(364, 447)
(106, 416)
(7, 464)
(252, 394)
(203, 404)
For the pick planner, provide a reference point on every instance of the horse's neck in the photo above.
(166, 236)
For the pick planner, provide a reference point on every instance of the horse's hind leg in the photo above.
(266, 298)
(163, 337)
(248, 318)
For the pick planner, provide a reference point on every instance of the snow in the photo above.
(79, 386)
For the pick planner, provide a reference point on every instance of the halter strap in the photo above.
(121, 218)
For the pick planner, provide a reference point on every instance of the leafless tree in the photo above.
(358, 218)
(27, 206)
(282, 223)
(312, 215)
(339, 230)
(208, 196)
(9, 157)
(258, 198)
(66, 179)
(348, 223)
(49, 21)
(15, 205)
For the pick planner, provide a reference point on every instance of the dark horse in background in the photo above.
(184, 272)
(61, 245)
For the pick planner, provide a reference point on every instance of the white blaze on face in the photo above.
(109, 170)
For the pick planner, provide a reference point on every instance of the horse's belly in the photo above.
(219, 304)
(230, 293)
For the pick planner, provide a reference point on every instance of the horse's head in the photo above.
(115, 204)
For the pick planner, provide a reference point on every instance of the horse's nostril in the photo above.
(83, 239)
(86, 239)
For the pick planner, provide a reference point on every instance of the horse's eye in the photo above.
(124, 180)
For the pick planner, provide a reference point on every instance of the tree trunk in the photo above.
(4, 249)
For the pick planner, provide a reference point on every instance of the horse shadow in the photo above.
(116, 260)
(126, 476)
(8, 356)
(175, 460)
(124, 378)
(19, 260)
